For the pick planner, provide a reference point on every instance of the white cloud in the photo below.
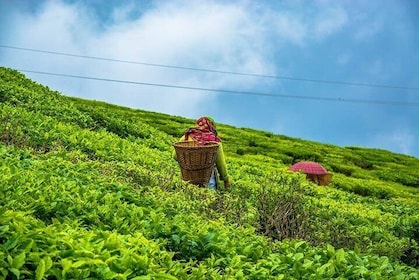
(203, 34)
(367, 25)
(400, 140)
(56, 26)
(187, 33)
(328, 20)
(291, 28)
(316, 23)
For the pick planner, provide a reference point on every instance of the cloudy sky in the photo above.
(338, 72)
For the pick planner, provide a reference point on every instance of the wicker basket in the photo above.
(196, 162)
(325, 179)
(320, 179)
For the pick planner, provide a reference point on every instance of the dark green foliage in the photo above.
(252, 143)
(341, 168)
(399, 177)
(240, 151)
(302, 154)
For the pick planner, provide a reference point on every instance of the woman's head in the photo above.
(206, 124)
(205, 131)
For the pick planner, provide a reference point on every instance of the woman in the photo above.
(204, 133)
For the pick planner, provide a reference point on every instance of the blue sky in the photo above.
(318, 44)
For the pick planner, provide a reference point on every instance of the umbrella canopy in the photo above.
(308, 167)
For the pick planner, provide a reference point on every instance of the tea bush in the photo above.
(89, 190)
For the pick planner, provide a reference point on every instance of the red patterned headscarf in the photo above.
(204, 133)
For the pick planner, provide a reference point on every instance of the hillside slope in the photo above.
(89, 189)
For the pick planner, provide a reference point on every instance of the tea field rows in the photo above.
(89, 190)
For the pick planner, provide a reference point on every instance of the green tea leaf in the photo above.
(143, 277)
(164, 276)
(297, 257)
(19, 260)
(298, 244)
(40, 270)
(330, 249)
(340, 256)
(16, 272)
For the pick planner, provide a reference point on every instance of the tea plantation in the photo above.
(89, 190)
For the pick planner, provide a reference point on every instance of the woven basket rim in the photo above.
(193, 145)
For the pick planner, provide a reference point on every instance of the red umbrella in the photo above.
(308, 167)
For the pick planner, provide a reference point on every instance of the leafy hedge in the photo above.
(89, 190)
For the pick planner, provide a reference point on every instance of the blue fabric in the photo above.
(212, 184)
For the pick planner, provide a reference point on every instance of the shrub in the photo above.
(240, 151)
(252, 143)
(281, 208)
(343, 169)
